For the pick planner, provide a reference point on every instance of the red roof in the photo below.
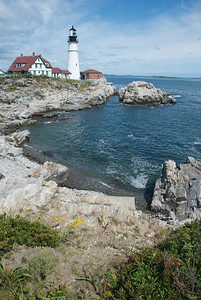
(27, 61)
(65, 72)
(91, 71)
(56, 70)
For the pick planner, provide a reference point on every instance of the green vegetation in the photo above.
(84, 85)
(170, 271)
(12, 89)
(23, 232)
(41, 265)
(12, 280)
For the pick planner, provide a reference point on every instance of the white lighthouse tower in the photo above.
(73, 61)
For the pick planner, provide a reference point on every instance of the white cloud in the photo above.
(42, 27)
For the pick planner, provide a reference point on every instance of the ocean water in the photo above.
(123, 146)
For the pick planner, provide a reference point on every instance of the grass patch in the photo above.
(23, 232)
(41, 265)
(83, 86)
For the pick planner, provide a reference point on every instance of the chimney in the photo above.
(40, 55)
(21, 54)
(33, 53)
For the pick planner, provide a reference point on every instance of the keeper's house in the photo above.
(36, 65)
(91, 75)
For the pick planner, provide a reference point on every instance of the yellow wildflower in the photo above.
(58, 219)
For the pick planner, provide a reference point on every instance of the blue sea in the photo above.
(124, 146)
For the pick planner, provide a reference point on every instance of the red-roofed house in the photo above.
(91, 75)
(36, 65)
(58, 73)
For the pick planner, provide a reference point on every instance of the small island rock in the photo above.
(144, 93)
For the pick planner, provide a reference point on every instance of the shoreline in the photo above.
(82, 180)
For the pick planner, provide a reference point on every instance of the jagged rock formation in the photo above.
(143, 93)
(21, 99)
(178, 191)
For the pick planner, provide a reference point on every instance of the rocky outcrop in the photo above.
(143, 93)
(21, 99)
(51, 171)
(28, 188)
(178, 191)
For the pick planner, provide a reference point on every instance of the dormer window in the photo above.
(19, 65)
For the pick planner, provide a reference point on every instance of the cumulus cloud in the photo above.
(42, 27)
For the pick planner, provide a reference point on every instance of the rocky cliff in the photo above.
(178, 191)
(21, 99)
(143, 93)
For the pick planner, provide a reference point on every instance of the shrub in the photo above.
(21, 231)
(170, 271)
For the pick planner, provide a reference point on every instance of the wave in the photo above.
(47, 122)
(139, 182)
(197, 143)
(177, 96)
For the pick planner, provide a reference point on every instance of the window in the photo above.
(46, 72)
(36, 65)
(42, 72)
(34, 72)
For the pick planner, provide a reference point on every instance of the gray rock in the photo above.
(51, 171)
(23, 98)
(178, 191)
(143, 93)
(1, 176)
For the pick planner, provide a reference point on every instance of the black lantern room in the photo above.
(72, 35)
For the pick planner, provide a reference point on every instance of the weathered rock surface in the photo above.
(144, 93)
(51, 171)
(178, 191)
(21, 99)
(32, 189)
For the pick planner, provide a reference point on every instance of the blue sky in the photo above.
(136, 37)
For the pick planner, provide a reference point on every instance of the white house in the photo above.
(36, 65)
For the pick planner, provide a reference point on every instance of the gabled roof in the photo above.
(1, 71)
(91, 71)
(27, 61)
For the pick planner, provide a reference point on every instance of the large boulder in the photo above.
(178, 191)
(144, 93)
